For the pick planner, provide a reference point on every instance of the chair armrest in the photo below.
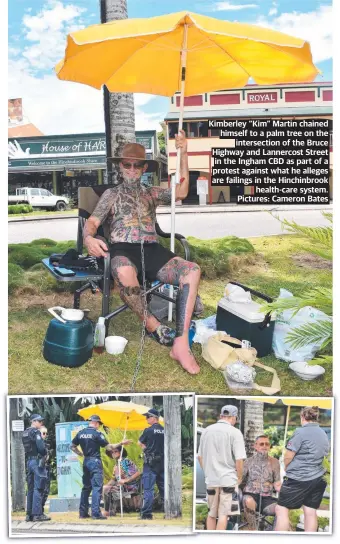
(178, 237)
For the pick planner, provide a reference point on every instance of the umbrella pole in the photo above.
(119, 471)
(175, 179)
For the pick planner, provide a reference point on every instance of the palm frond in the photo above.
(328, 216)
(321, 360)
(323, 236)
(320, 298)
(320, 332)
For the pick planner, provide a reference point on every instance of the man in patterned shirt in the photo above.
(130, 211)
(261, 475)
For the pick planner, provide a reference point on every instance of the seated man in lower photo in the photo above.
(261, 477)
(127, 478)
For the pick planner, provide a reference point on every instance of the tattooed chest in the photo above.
(126, 205)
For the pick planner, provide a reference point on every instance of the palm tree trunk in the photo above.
(253, 423)
(119, 108)
(17, 460)
(172, 457)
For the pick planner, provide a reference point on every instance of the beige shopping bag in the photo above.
(222, 350)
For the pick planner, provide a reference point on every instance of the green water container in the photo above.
(68, 343)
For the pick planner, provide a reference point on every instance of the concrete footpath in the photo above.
(19, 527)
(213, 208)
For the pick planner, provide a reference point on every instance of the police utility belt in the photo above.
(153, 458)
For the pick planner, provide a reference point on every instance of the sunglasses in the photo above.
(135, 165)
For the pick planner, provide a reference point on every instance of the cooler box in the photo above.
(246, 322)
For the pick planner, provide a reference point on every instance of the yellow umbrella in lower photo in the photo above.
(323, 403)
(185, 52)
(126, 416)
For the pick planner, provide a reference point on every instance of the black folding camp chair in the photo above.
(264, 520)
(101, 279)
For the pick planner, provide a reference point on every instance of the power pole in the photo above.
(119, 108)
(17, 454)
(143, 400)
(172, 457)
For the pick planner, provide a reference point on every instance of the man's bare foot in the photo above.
(182, 353)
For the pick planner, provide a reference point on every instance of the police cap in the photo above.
(95, 418)
(36, 417)
(152, 412)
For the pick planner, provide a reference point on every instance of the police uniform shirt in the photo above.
(310, 444)
(37, 445)
(153, 439)
(90, 440)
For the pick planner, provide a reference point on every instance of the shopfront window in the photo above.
(203, 129)
(192, 129)
(17, 180)
(79, 178)
(173, 129)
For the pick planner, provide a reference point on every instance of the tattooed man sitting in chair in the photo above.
(130, 210)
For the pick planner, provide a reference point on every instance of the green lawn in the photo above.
(273, 266)
(43, 212)
(129, 518)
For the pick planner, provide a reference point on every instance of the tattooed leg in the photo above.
(125, 276)
(249, 512)
(186, 276)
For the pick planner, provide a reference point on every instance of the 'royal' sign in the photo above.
(261, 98)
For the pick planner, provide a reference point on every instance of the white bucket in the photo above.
(115, 345)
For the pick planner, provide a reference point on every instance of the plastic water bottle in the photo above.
(99, 336)
(192, 332)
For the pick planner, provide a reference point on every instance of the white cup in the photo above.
(115, 345)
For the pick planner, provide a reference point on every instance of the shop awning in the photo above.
(251, 113)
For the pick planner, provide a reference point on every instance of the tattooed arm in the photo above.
(182, 189)
(95, 246)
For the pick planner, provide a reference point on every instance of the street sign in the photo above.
(18, 425)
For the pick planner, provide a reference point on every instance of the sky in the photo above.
(37, 37)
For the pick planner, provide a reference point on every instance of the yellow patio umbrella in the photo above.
(184, 52)
(126, 416)
(323, 403)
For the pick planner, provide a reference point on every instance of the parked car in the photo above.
(38, 198)
(201, 488)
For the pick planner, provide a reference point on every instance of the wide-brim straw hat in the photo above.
(136, 152)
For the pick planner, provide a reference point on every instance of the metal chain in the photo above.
(145, 313)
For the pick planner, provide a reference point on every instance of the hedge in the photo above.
(19, 208)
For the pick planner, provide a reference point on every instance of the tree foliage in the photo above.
(319, 241)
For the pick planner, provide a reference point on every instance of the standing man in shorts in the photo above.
(130, 210)
(220, 454)
(304, 484)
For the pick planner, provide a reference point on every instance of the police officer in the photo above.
(35, 450)
(152, 442)
(47, 461)
(91, 440)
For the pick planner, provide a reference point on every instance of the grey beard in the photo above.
(131, 182)
(263, 454)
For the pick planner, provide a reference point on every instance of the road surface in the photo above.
(204, 226)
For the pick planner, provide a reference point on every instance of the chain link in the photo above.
(145, 313)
